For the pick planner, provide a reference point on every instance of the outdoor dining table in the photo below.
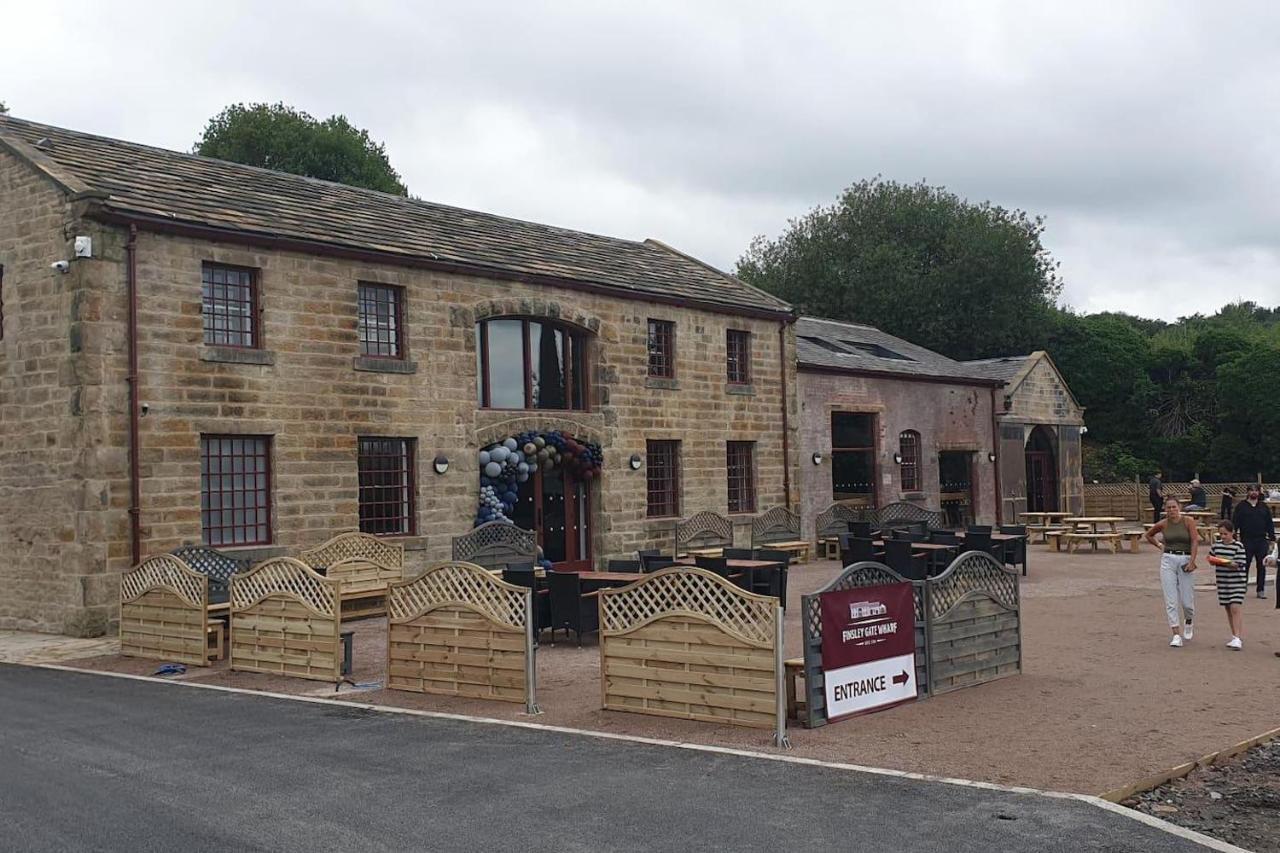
(1043, 517)
(608, 578)
(1094, 521)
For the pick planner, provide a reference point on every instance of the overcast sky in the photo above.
(1146, 134)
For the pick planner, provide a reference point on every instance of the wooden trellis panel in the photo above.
(285, 620)
(704, 530)
(975, 625)
(164, 610)
(456, 630)
(776, 525)
(355, 546)
(494, 544)
(686, 643)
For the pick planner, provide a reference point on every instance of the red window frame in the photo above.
(740, 469)
(380, 320)
(577, 392)
(738, 356)
(662, 479)
(386, 491)
(233, 459)
(217, 312)
(909, 468)
(662, 349)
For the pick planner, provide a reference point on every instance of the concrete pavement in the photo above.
(98, 763)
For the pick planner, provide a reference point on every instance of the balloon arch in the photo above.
(505, 464)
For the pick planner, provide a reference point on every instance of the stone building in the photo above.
(259, 361)
(883, 420)
(1040, 424)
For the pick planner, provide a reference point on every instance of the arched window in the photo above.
(530, 364)
(909, 450)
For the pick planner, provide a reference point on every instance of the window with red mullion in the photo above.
(740, 465)
(662, 349)
(386, 489)
(663, 479)
(738, 356)
(909, 450)
(380, 325)
(229, 306)
(235, 489)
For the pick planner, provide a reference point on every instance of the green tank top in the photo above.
(1177, 535)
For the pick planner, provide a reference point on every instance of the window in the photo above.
(738, 356)
(235, 489)
(380, 325)
(386, 486)
(530, 364)
(909, 450)
(662, 349)
(740, 458)
(229, 303)
(876, 350)
(853, 459)
(663, 477)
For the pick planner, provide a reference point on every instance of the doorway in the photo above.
(557, 507)
(955, 481)
(1042, 472)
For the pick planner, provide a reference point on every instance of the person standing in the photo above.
(1155, 493)
(1252, 519)
(1228, 498)
(1232, 579)
(1179, 542)
(1199, 500)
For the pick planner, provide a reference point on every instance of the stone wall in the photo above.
(1042, 398)
(948, 417)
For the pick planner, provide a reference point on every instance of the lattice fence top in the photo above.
(775, 525)
(903, 511)
(362, 546)
(835, 519)
(858, 575)
(289, 577)
(690, 592)
(705, 528)
(458, 584)
(973, 572)
(217, 565)
(1183, 490)
(494, 544)
(165, 571)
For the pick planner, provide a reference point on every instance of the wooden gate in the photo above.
(164, 610)
(683, 642)
(975, 623)
(285, 620)
(456, 630)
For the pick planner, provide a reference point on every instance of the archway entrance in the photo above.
(1042, 471)
(542, 481)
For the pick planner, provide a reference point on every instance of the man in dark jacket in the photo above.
(1155, 492)
(1256, 530)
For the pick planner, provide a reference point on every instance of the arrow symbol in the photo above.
(902, 678)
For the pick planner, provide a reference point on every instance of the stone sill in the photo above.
(237, 355)
(665, 384)
(383, 365)
(743, 390)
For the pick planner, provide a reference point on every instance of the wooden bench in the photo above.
(1073, 541)
(1134, 538)
(364, 565)
(1044, 530)
(799, 549)
(793, 669)
(829, 548)
(1053, 538)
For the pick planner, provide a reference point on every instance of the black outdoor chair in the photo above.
(943, 537)
(978, 528)
(981, 541)
(861, 529)
(569, 610)
(1015, 551)
(737, 554)
(522, 574)
(899, 557)
(524, 566)
(772, 581)
(720, 566)
(859, 550)
(912, 536)
(623, 565)
(647, 552)
(652, 564)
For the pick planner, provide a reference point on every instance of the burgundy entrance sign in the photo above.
(868, 648)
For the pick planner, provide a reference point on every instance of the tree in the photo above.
(1104, 361)
(276, 136)
(4, 108)
(969, 280)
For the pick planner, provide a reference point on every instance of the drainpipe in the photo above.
(786, 438)
(995, 448)
(135, 486)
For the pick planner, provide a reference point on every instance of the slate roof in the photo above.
(1002, 369)
(177, 187)
(830, 344)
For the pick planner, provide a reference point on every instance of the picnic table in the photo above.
(1093, 522)
(1043, 517)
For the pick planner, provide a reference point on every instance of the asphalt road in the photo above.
(95, 763)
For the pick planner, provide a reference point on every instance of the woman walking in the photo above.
(1227, 556)
(1180, 543)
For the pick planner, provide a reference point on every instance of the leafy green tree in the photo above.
(1249, 410)
(969, 280)
(4, 108)
(276, 136)
(1104, 361)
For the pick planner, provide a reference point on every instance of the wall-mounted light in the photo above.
(817, 458)
(991, 456)
(897, 459)
(1084, 430)
(635, 461)
(440, 463)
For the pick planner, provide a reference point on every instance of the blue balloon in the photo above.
(484, 458)
(493, 469)
(509, 444)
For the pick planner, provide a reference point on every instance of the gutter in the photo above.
(135, 484)
(786, 428)
(995, 448)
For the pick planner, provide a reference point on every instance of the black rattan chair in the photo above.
(899, 557)
(623, 565)
(569, 610)
(1015, 551)
(738, 554)
(773, 581)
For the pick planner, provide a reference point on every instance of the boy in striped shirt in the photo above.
(1227, 556)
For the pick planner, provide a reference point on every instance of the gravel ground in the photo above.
(1102, 701)
(1237, 800)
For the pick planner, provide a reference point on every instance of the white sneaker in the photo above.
(1235, 644)
(1187, 632)
(1176, 642)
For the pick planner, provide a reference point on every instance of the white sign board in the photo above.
(866, 686)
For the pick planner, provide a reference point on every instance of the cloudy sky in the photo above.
(1146, 133)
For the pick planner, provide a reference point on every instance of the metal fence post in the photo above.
(530, 660)
(780, 680)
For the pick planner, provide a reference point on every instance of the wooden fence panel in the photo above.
(285, 620)
(686, 643)
(164, 610)
(975, 623)
(1130, 499)
(456, 630)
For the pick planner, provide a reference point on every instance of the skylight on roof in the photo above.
(829, 346)
(876, 350)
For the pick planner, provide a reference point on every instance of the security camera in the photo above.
(61, 266)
